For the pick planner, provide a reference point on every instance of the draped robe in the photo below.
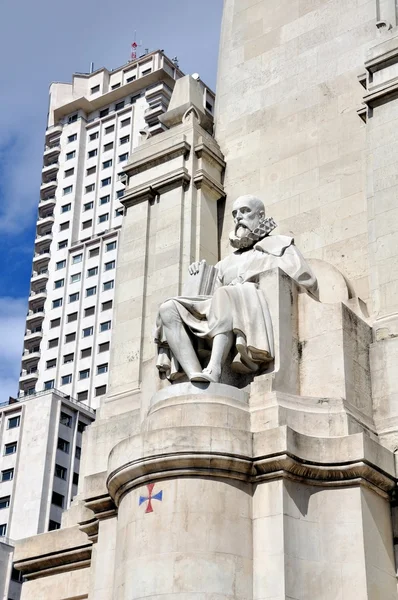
(237, 305)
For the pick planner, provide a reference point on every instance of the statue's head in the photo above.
(251, 224)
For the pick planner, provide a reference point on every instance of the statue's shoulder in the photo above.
(274, 244)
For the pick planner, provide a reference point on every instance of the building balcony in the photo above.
(51, 152)
(159, 91)
(156, 128)
(30, 355)
(42, 238)
(48, 186)
(36, 296)
(154, 112)
(52, 167)
(52, 134)
(29, 375)
(47, 219)
(42, 257)
(35, 317)
(39, 277)
(46, 203)
(33, 336)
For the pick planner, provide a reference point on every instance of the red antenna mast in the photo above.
(134, 47)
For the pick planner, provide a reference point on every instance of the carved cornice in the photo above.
(148, 192)
(203, 179)
(103, 508)
(228, 466)
(56, 562)
(155, 159)
(382, 93)
(202, 150)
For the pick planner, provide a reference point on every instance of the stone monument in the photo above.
(261, 465)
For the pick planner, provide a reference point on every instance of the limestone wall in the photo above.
(287, 123)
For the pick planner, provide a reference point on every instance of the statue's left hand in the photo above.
(194, 267)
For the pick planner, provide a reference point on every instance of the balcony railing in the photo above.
(22, 394)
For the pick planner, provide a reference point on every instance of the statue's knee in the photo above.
(167, 312)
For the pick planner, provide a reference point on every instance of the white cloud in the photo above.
(12, 327)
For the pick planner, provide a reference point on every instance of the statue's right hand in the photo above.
(194, 267)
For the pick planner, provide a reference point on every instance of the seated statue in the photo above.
(236, 316)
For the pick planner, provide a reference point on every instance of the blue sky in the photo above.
(45, 41)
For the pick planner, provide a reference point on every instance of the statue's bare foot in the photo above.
(209, 374)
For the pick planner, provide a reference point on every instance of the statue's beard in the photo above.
(243, 237)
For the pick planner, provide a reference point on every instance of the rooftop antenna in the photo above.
(91, 67)
(134, 47)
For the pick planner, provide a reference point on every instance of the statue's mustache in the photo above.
(238, 225)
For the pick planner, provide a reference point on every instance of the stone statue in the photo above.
(236, 315)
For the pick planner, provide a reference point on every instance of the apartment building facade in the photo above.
(93, 126)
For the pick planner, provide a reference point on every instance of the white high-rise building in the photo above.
(94, 123)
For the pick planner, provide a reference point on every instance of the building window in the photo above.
(77, 258)
(82, 396)
(66, 208)
(101, 369)
(146, 72)
(108, 285)
(85, 353)
(4, 502)
(87, 331)
(93, 153)
(115, 86)
(10, 448)
(53, 525)
(104, 200)
(103, 347)
(91, 170)
(119, 212)
(84, 374)
(75, 278)
(49, 385)
(74, 297)
(119, 105)
(57, 499)
(108, 147)
(104, 112)
(107, 163)
(3, 529)
(59, 283)
(87, 224)
(107, 305)
(95, 89)
(110, 246)
(16, 575)
(123, 157)
(14, 422)
(67, 190)
(60, 472)
(72, 138)
(130, 79)
(57, 303)
(53, 343)
(72, 317)
(91, 291)
(70, 337)
(72, 118)
(110, 265)
(90, 188)
(78, 452)
(81, 426)
(105, 326)
(120, 194)
(94, 252)
(93, 271)
(100, 390)
(69, 172)
(93, 136)
(103, 218)
(106, 181)
(75, 479)
(65, 379)
(124, 140)
(66, 419)
(88, 205)
(109, 129)
(134, 99)
(63, 445)
(62, 244)
(125, 122)
(50, 364)
(7, 475)
(61, 264)
(70, 155)
(64, 226)
(68, 358)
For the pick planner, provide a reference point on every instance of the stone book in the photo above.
(201, 284)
